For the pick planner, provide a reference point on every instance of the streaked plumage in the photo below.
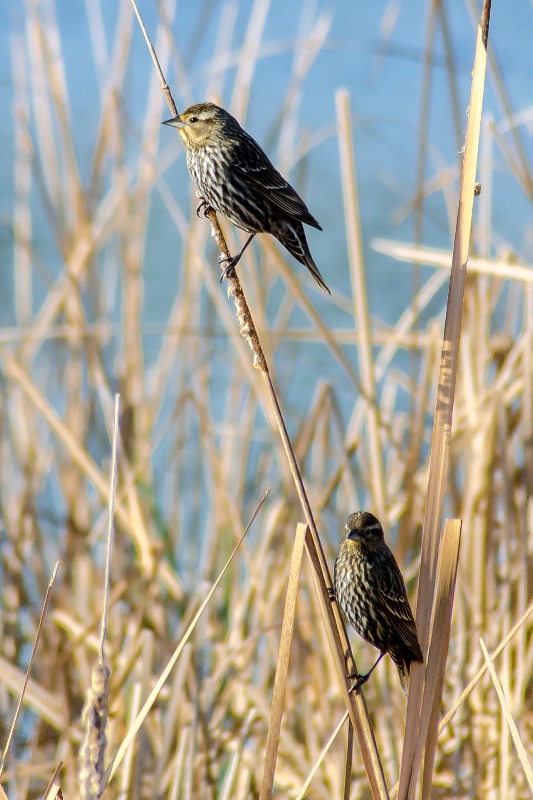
(371, 593)
(237, 179)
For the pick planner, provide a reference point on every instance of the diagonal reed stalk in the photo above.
(137, 723)
(282, 667)
(30, 664)
(440, 442)
(335, 629)
(506, 711)
(91, 775)
(426, 745)
(360, 295)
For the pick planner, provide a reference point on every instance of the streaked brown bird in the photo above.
(237, 179)
(371, 593)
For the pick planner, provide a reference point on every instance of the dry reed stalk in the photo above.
(438, 653)
(135, 727)
(357, 709)
(506, 711)
(132, 523)
(481, 672)
(45, 704)
(91, 775)
(247, 60)
(325, 750)
(30, 664)
(173, 709)
(445, 401)
(496, 267)
(330, 613)
(332, 620)
(321, 328)
(229, 791)
(226, 456)
(282, 667)
(519, 161)
(359, 293)
(53, 789)
(348, 764)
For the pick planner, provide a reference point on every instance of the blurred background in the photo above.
(111, 283)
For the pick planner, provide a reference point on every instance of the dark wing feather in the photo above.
(255, 169)
(394, 597)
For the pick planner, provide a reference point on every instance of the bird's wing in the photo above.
(395, 599)
(260, 174)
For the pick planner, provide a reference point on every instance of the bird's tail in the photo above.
(313, 269)
(292, 236)
(404, 679)
(404, 668)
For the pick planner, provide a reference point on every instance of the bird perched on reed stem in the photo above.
(371, 593)
(236, 178)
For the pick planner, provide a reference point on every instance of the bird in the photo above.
(236, 178)
(370, 590)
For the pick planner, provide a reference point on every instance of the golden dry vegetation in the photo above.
(200, 445)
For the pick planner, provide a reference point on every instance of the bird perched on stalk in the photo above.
(370, 590)
(237, 179)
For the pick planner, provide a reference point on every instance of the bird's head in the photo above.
(197, 124)
(363, 527)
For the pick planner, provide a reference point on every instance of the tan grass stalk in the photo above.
(91, 775)
(331, 615)
(520, 749)
(177, 652)
(248, 57)
(436, 257)
(360, 298)
(282, 668)
(44, 703)
(171, 720)
(481, 672)
(422, 143)
(348, 764)
(325, 750)
(438, 653)
(228, 792)
(133, 524)
(445, 400)
(53, 789)
(30, 665)
(519, 160)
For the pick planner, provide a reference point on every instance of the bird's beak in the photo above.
(176, 122)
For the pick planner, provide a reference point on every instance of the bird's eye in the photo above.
(193, 119)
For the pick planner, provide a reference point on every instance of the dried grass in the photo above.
(201, 441)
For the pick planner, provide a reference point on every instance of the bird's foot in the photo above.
(360, 680)
(331, 592)
(229, 269)
(203, 208)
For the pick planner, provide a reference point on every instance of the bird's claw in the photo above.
(331, 592)
(229, 269)
(203, 208)
(359, 681)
